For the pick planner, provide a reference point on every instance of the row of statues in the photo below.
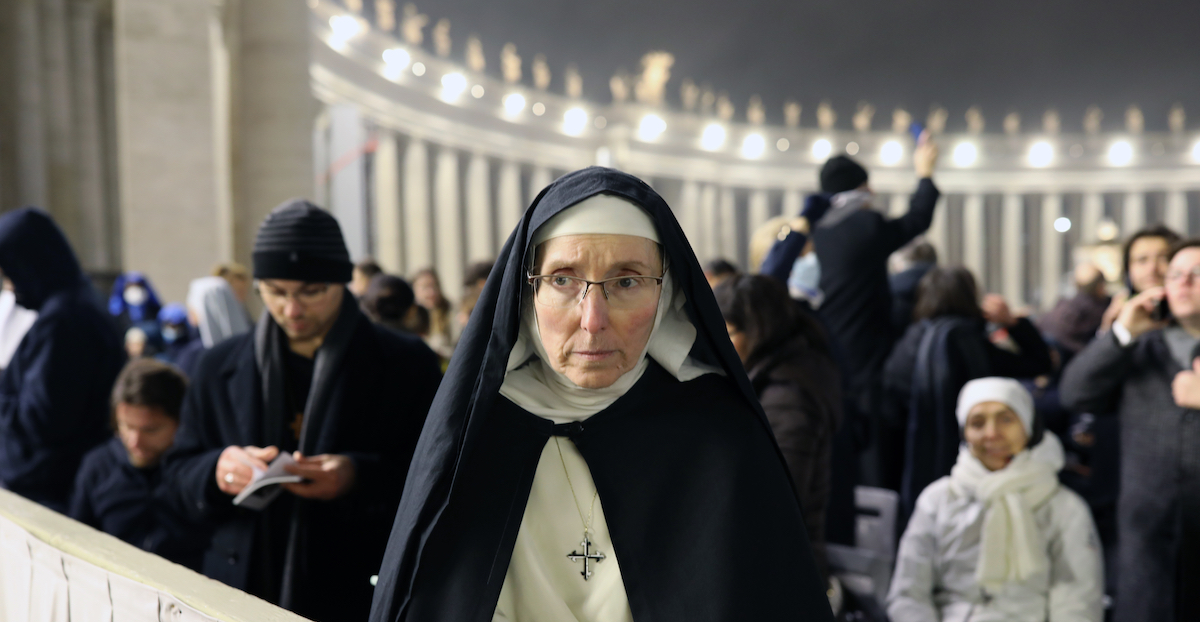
(649, 85)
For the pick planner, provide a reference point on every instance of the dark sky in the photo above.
(1004, 55)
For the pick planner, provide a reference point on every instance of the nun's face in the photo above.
(994, 434)
(593, 343)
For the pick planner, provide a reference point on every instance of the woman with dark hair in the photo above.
(792, 370)
(947, 345)
(388, 300)
(428, 290)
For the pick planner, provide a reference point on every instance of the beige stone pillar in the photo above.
(937, 233)
(727, 239)
(509, 207)
(539, 178)
(93, 245)
(1176, 211)
(389, 241)
(29, 132)
(974, 249)
(689, 211)
(448, 223)
(1093, 213)
(759, 210)
(1052, 249)
(1012, 229)
(164, 101)
(793, 202)
(708, 248)
(58, 82)
(418, 230)
(479, 210)
(1133, 213)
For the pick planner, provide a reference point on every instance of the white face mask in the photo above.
(135, 295)
(805, 279)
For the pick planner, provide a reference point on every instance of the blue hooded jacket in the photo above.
(54, 394)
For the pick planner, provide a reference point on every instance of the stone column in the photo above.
(509, 206)
(1093, 213)
(164, 100)
(707, 248)
(275, 109)
(1012, 228)
(1133, 213)
(1052, 249)
(727, 227)
(974, 249)
(93, 245)
(793, 202)
(448, 223)
(58, 110)
(898, 204)
(389, 240)
(418, 230)
(479, 211)
(1176, 212)
(759, 210)
(30, 134)
(348, 180)
(936, 235)
(539, 178)
(689, 212)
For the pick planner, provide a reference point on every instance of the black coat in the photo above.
(696, 495)
(54, 393)
(382, 396)
(854, 278)
(904, 294)
(132, 504)
(801, 393)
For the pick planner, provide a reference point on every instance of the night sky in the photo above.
(1010, 55)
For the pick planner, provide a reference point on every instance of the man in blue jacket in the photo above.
(54, 393)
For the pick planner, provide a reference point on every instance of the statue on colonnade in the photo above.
(573, 81)
(619, 85)
(385, 15)
(1051, 124)
(754, 111)
(1091, 119)
(1012, 124)
(975, 120)
(826, 116)
(1176, 119)
(725, 107)
(413, 25)
(476, 61)
(1134, 121)
(510, 63)
(901, 120)
(689, 95)
(936, 122)
(441, 38)
(541, 72)
(791, 113)
(656, 72)
(708, 99)
(863, 116)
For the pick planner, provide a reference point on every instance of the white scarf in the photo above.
(844, 204)
(1011, 547)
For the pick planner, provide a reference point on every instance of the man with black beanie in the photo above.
(315, 381)
(853, 243)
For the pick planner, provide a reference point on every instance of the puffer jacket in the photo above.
(935, 567)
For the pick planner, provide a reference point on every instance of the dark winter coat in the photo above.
(132, 504)
(904, 294)
(854, 278)
(800, 390)
(1158, 513)
(54, 393)
(379, 403)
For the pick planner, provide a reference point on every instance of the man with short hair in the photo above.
(911, 263)
(317, 380)
(1147, 371)
(119, 489)
(853, 243)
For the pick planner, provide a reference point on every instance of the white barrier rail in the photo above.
(54, 569)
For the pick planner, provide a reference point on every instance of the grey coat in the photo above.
(1160, 465)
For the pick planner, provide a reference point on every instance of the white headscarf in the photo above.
(541, 390)
(221, 315)
(1011, 544)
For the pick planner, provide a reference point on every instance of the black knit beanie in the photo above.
(840, 174)
(301, 242)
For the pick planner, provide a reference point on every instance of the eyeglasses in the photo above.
(1178, 277)
(305, 296)
(621, 292)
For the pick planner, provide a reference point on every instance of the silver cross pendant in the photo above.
(587, 556)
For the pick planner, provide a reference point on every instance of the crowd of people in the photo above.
(492, 459)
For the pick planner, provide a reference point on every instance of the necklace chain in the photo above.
(587, 522)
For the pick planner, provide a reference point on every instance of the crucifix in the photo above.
(587, 556)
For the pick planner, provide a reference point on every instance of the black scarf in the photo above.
(270, 345)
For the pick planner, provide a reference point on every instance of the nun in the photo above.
(999, 538)
(596, 452)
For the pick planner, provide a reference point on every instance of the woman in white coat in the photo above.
(999, 538)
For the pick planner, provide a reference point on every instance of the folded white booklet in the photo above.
(264, 485)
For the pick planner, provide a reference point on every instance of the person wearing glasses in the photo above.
(316, 384)
(1146, 371)
(596, 452)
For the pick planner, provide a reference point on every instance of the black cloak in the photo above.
(696, 495)
(54, 394)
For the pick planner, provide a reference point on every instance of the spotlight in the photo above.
(344, 27)
(783, 144)
(651, 127)
(514, 103)
(891, 153)
(1120, 153)
(821, 149)
(418, 69)
(1041, 154)
(477, 91)
(538, 109)
(1062, 224)
(574, 121)
(395, 61)
(852, 148)
(965, 154)
(753, 146)
(713, 137)
(1196, 151)
(453, 85)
